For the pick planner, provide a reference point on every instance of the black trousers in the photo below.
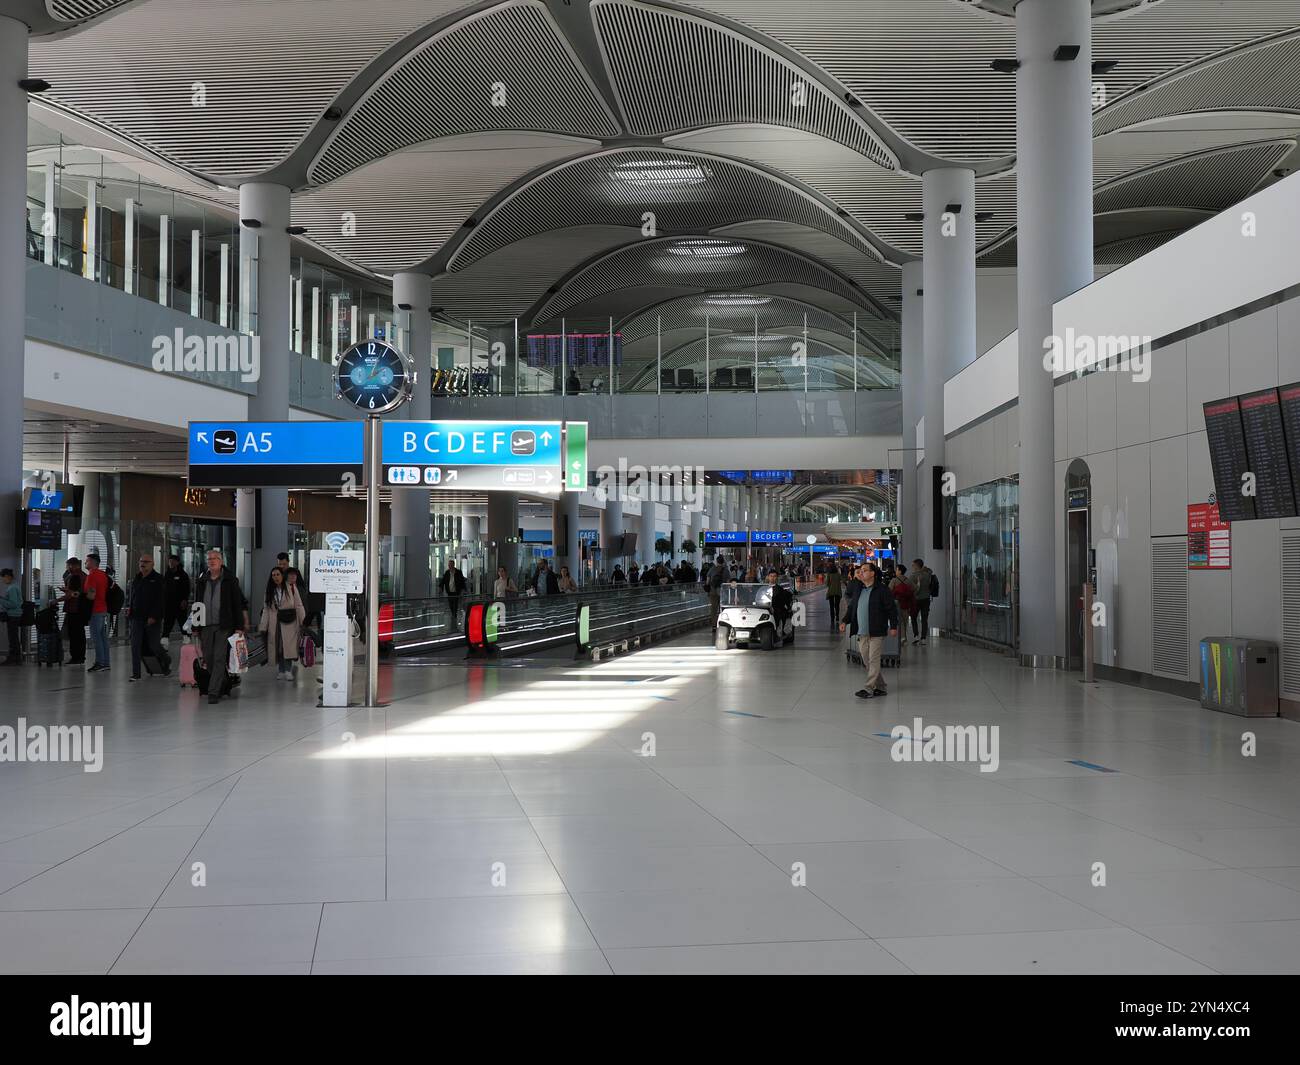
(74, 628)
(172, 615)
(15, 642)
(921, 619)
(834, 601)
(145, 642)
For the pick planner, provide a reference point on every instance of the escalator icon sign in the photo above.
(225, 442)
(523, 442)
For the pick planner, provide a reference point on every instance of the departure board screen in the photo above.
(1228, 458)
(1261, 422)
(1289, 396)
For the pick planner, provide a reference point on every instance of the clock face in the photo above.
(374, 377)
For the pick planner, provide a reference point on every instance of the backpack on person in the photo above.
(934, 586)
(116, 598)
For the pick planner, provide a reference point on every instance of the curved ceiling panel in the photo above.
(686, 193)
(882, 281)
(877, 199)
(1123, 252)
(402, 208)
(1210, 181)
(79, 10)
(448, 84)
(718, 77)
(1264, 77)
(267, 72)
(694, 264)
(923, 65)
(505, 285)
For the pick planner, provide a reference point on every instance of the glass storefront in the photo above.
(987, 569)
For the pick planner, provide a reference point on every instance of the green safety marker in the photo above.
(492, 622)
(575, 456)
(584, 626)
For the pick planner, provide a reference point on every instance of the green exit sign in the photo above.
(889, 530)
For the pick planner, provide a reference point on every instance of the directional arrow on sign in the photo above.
(452, 474)
(547, 476)
(546, 438)
(203, 438)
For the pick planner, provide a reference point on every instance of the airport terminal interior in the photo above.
(650, 487)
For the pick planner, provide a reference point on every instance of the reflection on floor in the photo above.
(674, 810)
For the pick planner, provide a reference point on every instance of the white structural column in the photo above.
(13, 277)
(680, 527)
(948, 200)
(1054, 249)
(914, 540)
(265, 248)
(410, 511)
(503, 526)
(695, 526)
(715, 507)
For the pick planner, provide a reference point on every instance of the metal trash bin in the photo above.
(1239, 676)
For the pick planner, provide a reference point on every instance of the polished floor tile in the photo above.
(672, 810)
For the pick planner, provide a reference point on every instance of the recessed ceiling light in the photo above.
(738, 301)
(1066, 53)
(1005, 66)
(760, 338)
(1104, 66)
(706, 248)
(660, 172)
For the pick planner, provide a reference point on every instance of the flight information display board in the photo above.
(1228, 458)
(1289, 405)
(1261, 421)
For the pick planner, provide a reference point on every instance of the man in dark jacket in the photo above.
(176, 594)
(452, 585)
(544, 581)
(877, 616)
(145, 605)
(223, 611)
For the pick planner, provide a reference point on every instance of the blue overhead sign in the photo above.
(39, 500)
(275, 454)
(475, 454)
(736, 536)
(760, 537)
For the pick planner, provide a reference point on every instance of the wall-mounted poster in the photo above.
(1209, 539)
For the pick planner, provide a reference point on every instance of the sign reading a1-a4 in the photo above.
(509, 456)
(276, 454)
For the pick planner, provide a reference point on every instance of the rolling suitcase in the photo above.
(157, 667)
(49, 649)
(891, 652)
(851, 654)
(307, 651)
(189, 659)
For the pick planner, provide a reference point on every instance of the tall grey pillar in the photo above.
(948, 200)
(693, 530)
(646, 537)
(913, 542)
(411, 505)
(13, 278)
(266, 248)
(680, 524)
(1054, 248)
(503, 526)
(89, 481)
(611, 528)
(566, 516)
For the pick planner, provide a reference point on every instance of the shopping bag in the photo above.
(238, 655)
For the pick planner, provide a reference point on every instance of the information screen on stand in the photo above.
(1228, 459)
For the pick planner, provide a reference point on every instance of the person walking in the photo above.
(76, 612)
(877, 617)
(224, 612)
(176, 595)
(283, 614)
(834, 592)
(503, 585)
(11, 608)
(718, 574)
(618, 576)
(567, 583)
(924, 584)
(544, 581)
(145, 603)
(905, 597)
(452, 585)
(96, 591)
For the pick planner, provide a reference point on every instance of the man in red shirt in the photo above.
(96, 590)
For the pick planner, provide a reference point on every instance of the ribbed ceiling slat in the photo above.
(79, 10)
(1211, 181)
(717, 77)
(445, 87)
(267, 70)
(923, 65)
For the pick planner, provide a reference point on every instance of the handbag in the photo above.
(286, 615)
(238, 661)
